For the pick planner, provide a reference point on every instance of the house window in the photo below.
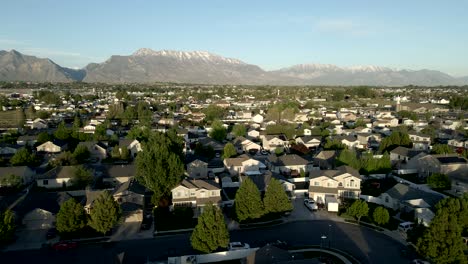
(386, 200)
(213, 193)
(317, 183)
(329, 184)
(45, 182)
(192, 193)
(352, 183)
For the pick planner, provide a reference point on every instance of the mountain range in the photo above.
(147, 66)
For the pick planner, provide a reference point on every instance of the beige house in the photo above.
(24, 172)
(55, 146)
(344, 182)
(287, 164)
(309, 141)
(133, 145)
(244, 145)
(196, 194)
(445, 164)
(57, 177)
(96, 149)
(243, 164)
(271, 142)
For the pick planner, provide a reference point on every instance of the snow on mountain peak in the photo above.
(187, 55)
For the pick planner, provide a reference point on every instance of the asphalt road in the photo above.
(366, 245)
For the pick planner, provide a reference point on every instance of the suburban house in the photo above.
(115, 174)
(132, 145)
(96, 149)
(325, 159)
(8, 149)
(406, 198)
(244, 145)
(38, 124)
(209, 142)
(288, 164)
(197, 169)
(344, 182)
(445, 164)
(271, 142)
(54, 146)
(420, 142)
(26, 140)
(196, 194)
(131, 197)
(24, 172)
(243, 164)
(309, 141)
(350, 141)
(57, 177)
(253, 134)
(402, 154)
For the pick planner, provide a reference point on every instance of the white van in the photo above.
(405, 226)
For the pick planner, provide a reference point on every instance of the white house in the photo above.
(344, 182)
(196, 194)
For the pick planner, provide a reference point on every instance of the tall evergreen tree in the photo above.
(159, 165)
(276, 200)
(22, 157)
(211, 231)
(442, 241)
(7, 226)
(105, 213)
(82, 177)
(81, 153)
(62, 132)
(248, 202)
(239, 130)
(218, 131)
(71, 217)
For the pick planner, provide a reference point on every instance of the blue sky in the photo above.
(272, 34)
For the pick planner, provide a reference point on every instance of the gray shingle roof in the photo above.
(403, 192)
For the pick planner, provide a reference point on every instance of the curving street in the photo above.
(365, 244)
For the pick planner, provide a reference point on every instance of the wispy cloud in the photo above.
(342, 26)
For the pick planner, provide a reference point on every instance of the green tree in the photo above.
(229, 151)
(213, 112)
(7, 226)
(71, 217)
(279, 151)
(358, 209)
(82, 177)
(218, 131)
(76, 127)
(11, 180)
(81, 154)
(442, 241)
(211, 231)
(22, 157)
(124, 153)
(381, 215)
(105, 213)
(441, 149)
(333, 145)
(276, 200)
(65, 158)
(439, 181)
(397, 138)
(43, 137)
(62, 132)
(239, 130)
(159, 165)
(248, 202)
(348, 157)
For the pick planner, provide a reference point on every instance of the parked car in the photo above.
(420, 261)
(405, 226)
(51, 233)
(264, 152)
(64, 245)
(238, 246)
(310, 203)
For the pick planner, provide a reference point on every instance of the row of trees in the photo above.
(360, 208)
(104, 215)
(397, 138)
(367, 163)
(250, 206)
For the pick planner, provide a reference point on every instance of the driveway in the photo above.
(301, 212)
(28, 239)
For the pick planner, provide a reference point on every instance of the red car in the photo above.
(64, 245)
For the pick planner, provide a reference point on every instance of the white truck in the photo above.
(332, 204)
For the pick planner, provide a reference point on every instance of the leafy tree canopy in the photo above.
(211, 231)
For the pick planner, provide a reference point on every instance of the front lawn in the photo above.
(180, 218)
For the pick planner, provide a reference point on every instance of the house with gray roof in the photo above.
(196, 193)
(287, 163)
(25, 173)
(407, 198)
(343, 182)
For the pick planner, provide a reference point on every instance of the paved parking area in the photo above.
(301, 212)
